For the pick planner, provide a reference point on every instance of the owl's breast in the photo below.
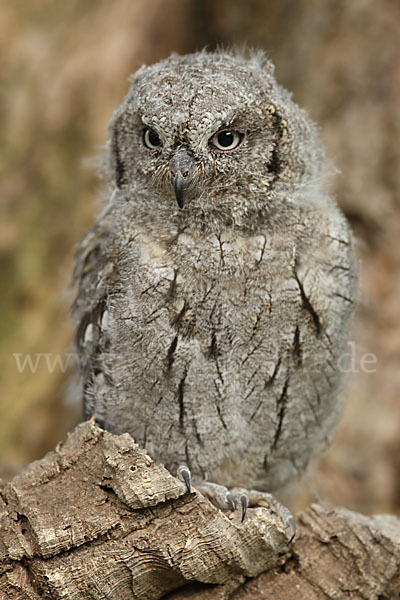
(228, 258)
(210, 290)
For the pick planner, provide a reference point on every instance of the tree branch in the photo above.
(98, 519)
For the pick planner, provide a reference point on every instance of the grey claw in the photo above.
(184, 473)
(244, 501)
(292, 524)
(230, 501)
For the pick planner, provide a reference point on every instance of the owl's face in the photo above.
(207, 134)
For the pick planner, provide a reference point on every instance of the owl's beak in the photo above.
(181, 167)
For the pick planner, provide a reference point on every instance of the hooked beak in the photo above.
(181, 167)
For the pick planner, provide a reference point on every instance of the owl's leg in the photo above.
(254, 498)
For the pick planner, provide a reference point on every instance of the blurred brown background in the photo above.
(64, 68)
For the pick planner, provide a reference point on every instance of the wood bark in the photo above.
(97, 518)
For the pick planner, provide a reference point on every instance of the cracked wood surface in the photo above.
(97, 519)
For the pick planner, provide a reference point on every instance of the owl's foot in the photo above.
(241, 498)
(225, 499)
(254, 498)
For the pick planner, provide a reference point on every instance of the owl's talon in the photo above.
(230, 500)
(184, 474)
(292, 524)
(244, 501)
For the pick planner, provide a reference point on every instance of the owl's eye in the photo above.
(151, 139)
(226, 140)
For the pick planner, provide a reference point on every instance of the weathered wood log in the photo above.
(97, 519)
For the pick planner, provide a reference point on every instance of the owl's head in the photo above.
(212, 136)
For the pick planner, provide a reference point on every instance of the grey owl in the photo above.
(215, 288)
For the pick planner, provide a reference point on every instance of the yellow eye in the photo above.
(226, 140)
(151, 139)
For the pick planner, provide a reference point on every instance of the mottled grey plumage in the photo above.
(211, 332)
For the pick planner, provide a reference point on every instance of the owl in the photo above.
(216, 287)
